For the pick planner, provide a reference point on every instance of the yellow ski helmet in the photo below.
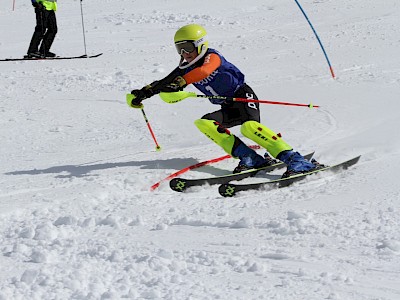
(191, 37)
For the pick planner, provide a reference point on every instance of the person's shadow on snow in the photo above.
(69, 171)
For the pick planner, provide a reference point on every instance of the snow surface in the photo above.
(77, 218)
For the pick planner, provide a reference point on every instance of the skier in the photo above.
(45, 30)
(213, 75)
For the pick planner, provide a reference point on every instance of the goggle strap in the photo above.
(199, 41)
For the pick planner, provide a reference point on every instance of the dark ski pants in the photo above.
(237, 113)
(45, 31)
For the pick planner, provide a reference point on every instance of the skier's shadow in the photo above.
(82, 170)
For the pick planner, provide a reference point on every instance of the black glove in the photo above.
(140, 95)
(226, 101)
(37, 5)
(175, 86)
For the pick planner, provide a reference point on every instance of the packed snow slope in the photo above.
(78, 220)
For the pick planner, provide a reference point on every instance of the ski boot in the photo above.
(249, 159)
(35, 54)
(269, 159)
(297, 164)
(50, 54)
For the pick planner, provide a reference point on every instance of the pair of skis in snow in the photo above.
(51, 58)
(228, 189)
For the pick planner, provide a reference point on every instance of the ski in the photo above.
(52, 58)
(229, 190)
(181, 184)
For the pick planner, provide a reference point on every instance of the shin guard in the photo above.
(217, 133)
(264, 137)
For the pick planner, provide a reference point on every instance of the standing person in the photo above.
(45, 30)
(213, 75)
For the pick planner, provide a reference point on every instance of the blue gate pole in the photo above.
(319, 41)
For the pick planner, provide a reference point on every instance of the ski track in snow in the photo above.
(77, 218)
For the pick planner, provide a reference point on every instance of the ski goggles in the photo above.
(185, 46)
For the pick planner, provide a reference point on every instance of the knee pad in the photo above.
(264, 137)
(217, 133)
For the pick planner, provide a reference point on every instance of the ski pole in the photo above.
(181, 95)
(319, 41)
(83, 29)
(273, 102)
(158, 148)
(13, 5)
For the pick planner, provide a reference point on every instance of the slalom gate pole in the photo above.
(13, 6)
(83, 29)
(319, 41)
(195, 166)
(158, 148)
(184, 170)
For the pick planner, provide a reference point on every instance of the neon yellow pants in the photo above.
(264, 137)
(253, 130)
